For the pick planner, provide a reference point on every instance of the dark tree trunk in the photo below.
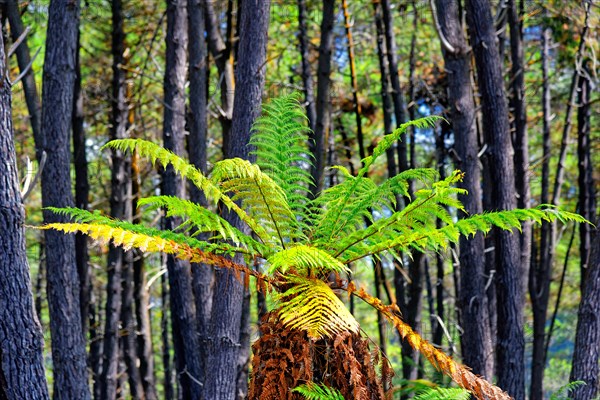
(169, 389)
(587, 193)
(24, 59)
(587, 337)
(68, 344)
(323, 98)
(476, 337)
(223, 346)
(82, 190)
(120, 208)
(202, 275)
(128, 333)
(510, 294)
(22, 374)
(307, 77)
(183, 309)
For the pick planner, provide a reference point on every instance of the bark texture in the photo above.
(496, 129)
(68, 344)
(474, 317)
(226, 318)
(183, 310)
(22, 374)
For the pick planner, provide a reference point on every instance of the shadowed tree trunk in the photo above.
(68, 344)
(202, 275)
(510, 294)
(120, 208)
(169, 387)
(476, 337)
(323, 98)
(307, 78)
(22, 374)
(587, 338)
(183, 309)
(226, 318)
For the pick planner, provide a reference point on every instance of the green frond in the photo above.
(563, 392)
(311, 306)
(313, 391)
(439, 393)
(389, 140)
(260, 195)
(304, 259)
(279, 136)
(202, 220)
(211, 191)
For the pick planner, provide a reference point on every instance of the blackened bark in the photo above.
(587, 337)
(169, 389)
(323, 98)
(587, 193)
(223, 346)
(202, 275)
(183, 309)
(68, 344)
(120, 208)
(128, 333)
(476, 342)
(307, 77)
(24, 59)
(82, 190)
(510, 294)
(22, 374)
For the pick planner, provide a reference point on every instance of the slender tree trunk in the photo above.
(82, 190)
(120, 208)
(183, 309)
(22, 374)
(169, 389)
(587, 193)
(224, 59)
(511, 342)
(24, 60)
(202, 275)
(323, 98)
(307, 77)
(68, 344)
(128, 333)
(587, 337)
(225, 330)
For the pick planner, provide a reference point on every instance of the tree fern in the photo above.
(301, 242)
(439, 393)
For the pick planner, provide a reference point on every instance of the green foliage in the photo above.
(563, 392)
(439, 393)
(312, 391)
(303, 241)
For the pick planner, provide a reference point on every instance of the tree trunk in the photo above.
(223, 346)
(323, 98)
(169, 389)
(22, 374)
(183, 309)
(128, 333)
(68, 344)
(307, 78)
(587, 337)
(120, 208)
(24, 59)
(476, 337)
(511, 343)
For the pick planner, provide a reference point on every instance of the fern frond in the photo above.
(304, 259)
(313, 391)
(311, 306)
(479, 387)
(203, 220)
(563, 392)
(263, 199)
(148, 243)
(211, 191)
(279, 136)
(439, 393)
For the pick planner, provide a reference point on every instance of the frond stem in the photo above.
(270, 212)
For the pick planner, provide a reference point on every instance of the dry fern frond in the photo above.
(479, 387)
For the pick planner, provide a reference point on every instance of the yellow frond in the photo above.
(310, 305)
